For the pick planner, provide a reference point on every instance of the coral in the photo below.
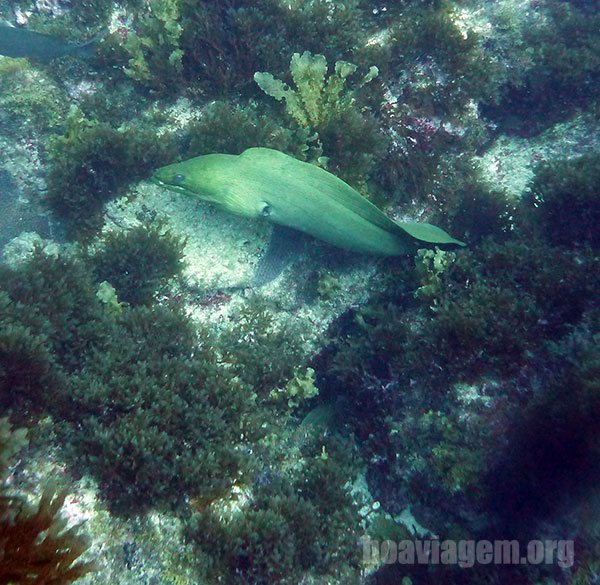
(36, 548)
(93, 163)
(136, 262)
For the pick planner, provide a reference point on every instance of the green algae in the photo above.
(565, 201)
(136, 262)
(92, 163)
(328, 107)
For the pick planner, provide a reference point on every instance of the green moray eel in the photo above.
(266, 183)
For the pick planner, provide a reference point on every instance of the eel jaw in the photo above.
(169, 186)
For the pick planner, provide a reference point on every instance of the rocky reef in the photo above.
(208, 431)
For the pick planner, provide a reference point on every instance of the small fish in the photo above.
(20, 42)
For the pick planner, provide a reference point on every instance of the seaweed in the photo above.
(226, 45)
(432, 372)
(564, 201)
(54, 299)
(434, 53)
(216, 47)
(93, 163)
(157, 419)
(260, 351)
(231, 129)
(563, 72)
(551, 447)
(155, 53)
(25, 366)
(293, 527)
(151, 406)
(329, 108)
(137, 261)
(36, 548)
(29, 97)
(316, 98)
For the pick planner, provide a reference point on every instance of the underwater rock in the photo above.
(16, 214)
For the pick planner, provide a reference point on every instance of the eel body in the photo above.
(266, 183)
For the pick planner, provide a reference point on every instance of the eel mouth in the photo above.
(156, 181)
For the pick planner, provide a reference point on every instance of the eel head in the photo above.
(214, 178)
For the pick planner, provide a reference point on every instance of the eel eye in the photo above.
(266, 211)
(178, 179)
